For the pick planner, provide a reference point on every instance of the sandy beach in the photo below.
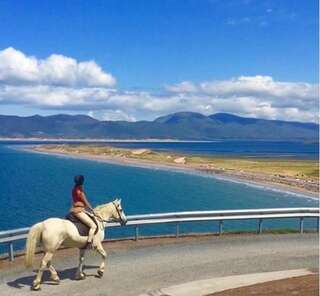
(307, 186)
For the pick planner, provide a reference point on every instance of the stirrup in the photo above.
(91, 246)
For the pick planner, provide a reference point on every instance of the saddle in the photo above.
(83, 229)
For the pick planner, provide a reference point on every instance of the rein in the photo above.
(100, 219)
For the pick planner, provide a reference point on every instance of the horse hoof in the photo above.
(80, 276)
(36, 287)
(100, 273)
(55, 281)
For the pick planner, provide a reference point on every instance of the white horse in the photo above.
(54, 232)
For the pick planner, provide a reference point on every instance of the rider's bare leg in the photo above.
(88, 221)
(91, 234)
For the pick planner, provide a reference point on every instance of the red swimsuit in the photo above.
(78, 204)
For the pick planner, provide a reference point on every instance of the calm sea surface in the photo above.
(37, 186)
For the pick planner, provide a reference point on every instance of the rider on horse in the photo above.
(79, 204)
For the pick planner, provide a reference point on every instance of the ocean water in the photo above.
(38, 186)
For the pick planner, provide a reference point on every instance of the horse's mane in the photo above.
(101, 209)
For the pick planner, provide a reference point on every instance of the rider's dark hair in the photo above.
(79, 180)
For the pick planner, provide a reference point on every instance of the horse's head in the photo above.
(118, 213)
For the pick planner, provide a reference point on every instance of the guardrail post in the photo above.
(220, 227)
(260, 226)
(177, 229)
(136, 232)
(301, 225)
(10, 251)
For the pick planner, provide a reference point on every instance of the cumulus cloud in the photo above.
(182, 87)
(257, 96)
(17, 68)
(256, 86)
(63, 84)
(112, 115)
(111, 104)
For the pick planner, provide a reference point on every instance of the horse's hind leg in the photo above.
(54, 275)
(44, 262)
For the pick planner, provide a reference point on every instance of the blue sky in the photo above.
(150, 47)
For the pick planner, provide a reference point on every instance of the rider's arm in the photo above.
(85, 200)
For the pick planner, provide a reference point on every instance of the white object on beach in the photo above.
(180, 160)
(140, 151)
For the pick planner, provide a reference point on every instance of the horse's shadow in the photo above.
(68, 273)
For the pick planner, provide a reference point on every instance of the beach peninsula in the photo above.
(295, 175)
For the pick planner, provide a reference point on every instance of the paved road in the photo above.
(140, 267)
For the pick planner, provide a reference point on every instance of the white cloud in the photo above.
(112, 115)
(52, 96)
(264, 93)
(17, 68)
(62, 84)
(251, 99)
(258, 86)
(184, 86)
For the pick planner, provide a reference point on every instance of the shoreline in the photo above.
(160, 140)
(216, 174)
(107, 140)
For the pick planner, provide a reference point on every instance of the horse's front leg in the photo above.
(80, 275)
(103, 254)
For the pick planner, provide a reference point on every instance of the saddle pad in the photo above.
(83, 229)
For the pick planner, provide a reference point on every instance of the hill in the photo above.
(180, 126)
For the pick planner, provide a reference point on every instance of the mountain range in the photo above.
(179, 126)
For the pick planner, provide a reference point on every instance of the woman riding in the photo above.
(79, 204)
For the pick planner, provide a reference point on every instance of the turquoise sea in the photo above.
(37, 186)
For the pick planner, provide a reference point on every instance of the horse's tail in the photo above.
(33, 238)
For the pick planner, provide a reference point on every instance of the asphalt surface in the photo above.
(138, 268)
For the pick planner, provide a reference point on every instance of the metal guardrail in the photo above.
(177, 218)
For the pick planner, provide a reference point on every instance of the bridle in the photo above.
(119, 214)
